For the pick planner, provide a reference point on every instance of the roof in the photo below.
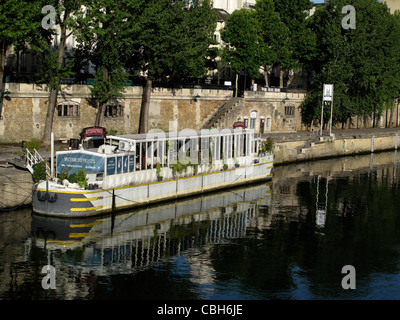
(222, 15)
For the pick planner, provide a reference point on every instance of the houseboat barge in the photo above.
(125, 171)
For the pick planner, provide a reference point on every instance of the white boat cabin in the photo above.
(126, 160)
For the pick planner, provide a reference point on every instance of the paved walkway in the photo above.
(13, 151)
(339, 134)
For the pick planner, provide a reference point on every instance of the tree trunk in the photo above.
(266, 70)
(386, 119)
(100, 115)
(144, 109)
(101, 106)
(391, 116)
(281, 73)
(49, 117)
(48, 128)
(237, 85)
(2, 66)
(373, 123)
(2, 63)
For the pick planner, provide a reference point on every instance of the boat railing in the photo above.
(33, 158)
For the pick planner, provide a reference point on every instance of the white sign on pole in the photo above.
(328, 92)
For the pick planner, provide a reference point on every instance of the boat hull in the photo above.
(60, 201)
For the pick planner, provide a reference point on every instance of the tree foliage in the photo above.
(300, 41)
(171, 42)
(363, 63)
(172, 39)
(274, 33)
(20, 26)
(244, 50)
(105, 40)
(66, 12)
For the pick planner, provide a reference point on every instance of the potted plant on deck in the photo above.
(158, 172)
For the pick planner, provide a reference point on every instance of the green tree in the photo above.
(170, 41)
(363, 63)
(20, 27)
(107, 88)
(245, 49)
(105, 40)
(66, 12)
(298, 46)
(275, 35)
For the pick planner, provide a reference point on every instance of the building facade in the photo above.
(24, 111)
(232, 5)
(393, 5)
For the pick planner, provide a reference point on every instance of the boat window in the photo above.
(149, 155)
(229, 146)
(244, 145)
(224, 148)
(235, 145)
(205, 150)
(138, 157)
(173, 151)
(94, 143)
(193, 150)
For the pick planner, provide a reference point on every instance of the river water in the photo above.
(285, 239)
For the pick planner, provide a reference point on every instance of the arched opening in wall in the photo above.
(68, 109)
(262, 125)
(253, 119)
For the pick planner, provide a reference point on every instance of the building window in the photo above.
(246, 122)
(289, 110)
(113, 111)
(216, 37)
(68, 109)
(253, 118)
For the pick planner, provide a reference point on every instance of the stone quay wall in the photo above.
(328, 147)
(15, 188)
(24, 111)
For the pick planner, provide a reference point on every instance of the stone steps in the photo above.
(221, 112)
(310, 144)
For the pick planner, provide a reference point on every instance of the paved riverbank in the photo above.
(305, 146)
(339, 134)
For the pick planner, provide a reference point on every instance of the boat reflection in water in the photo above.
(128, 242)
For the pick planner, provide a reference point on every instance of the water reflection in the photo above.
(288, 239)
(135, 241)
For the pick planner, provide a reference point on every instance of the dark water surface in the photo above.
(285, 239)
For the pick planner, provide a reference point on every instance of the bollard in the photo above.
(397, 139)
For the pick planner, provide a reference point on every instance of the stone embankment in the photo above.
(15, 184)
(305, 146)
(15, 188)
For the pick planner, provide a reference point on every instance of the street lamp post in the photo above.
(327, 95)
